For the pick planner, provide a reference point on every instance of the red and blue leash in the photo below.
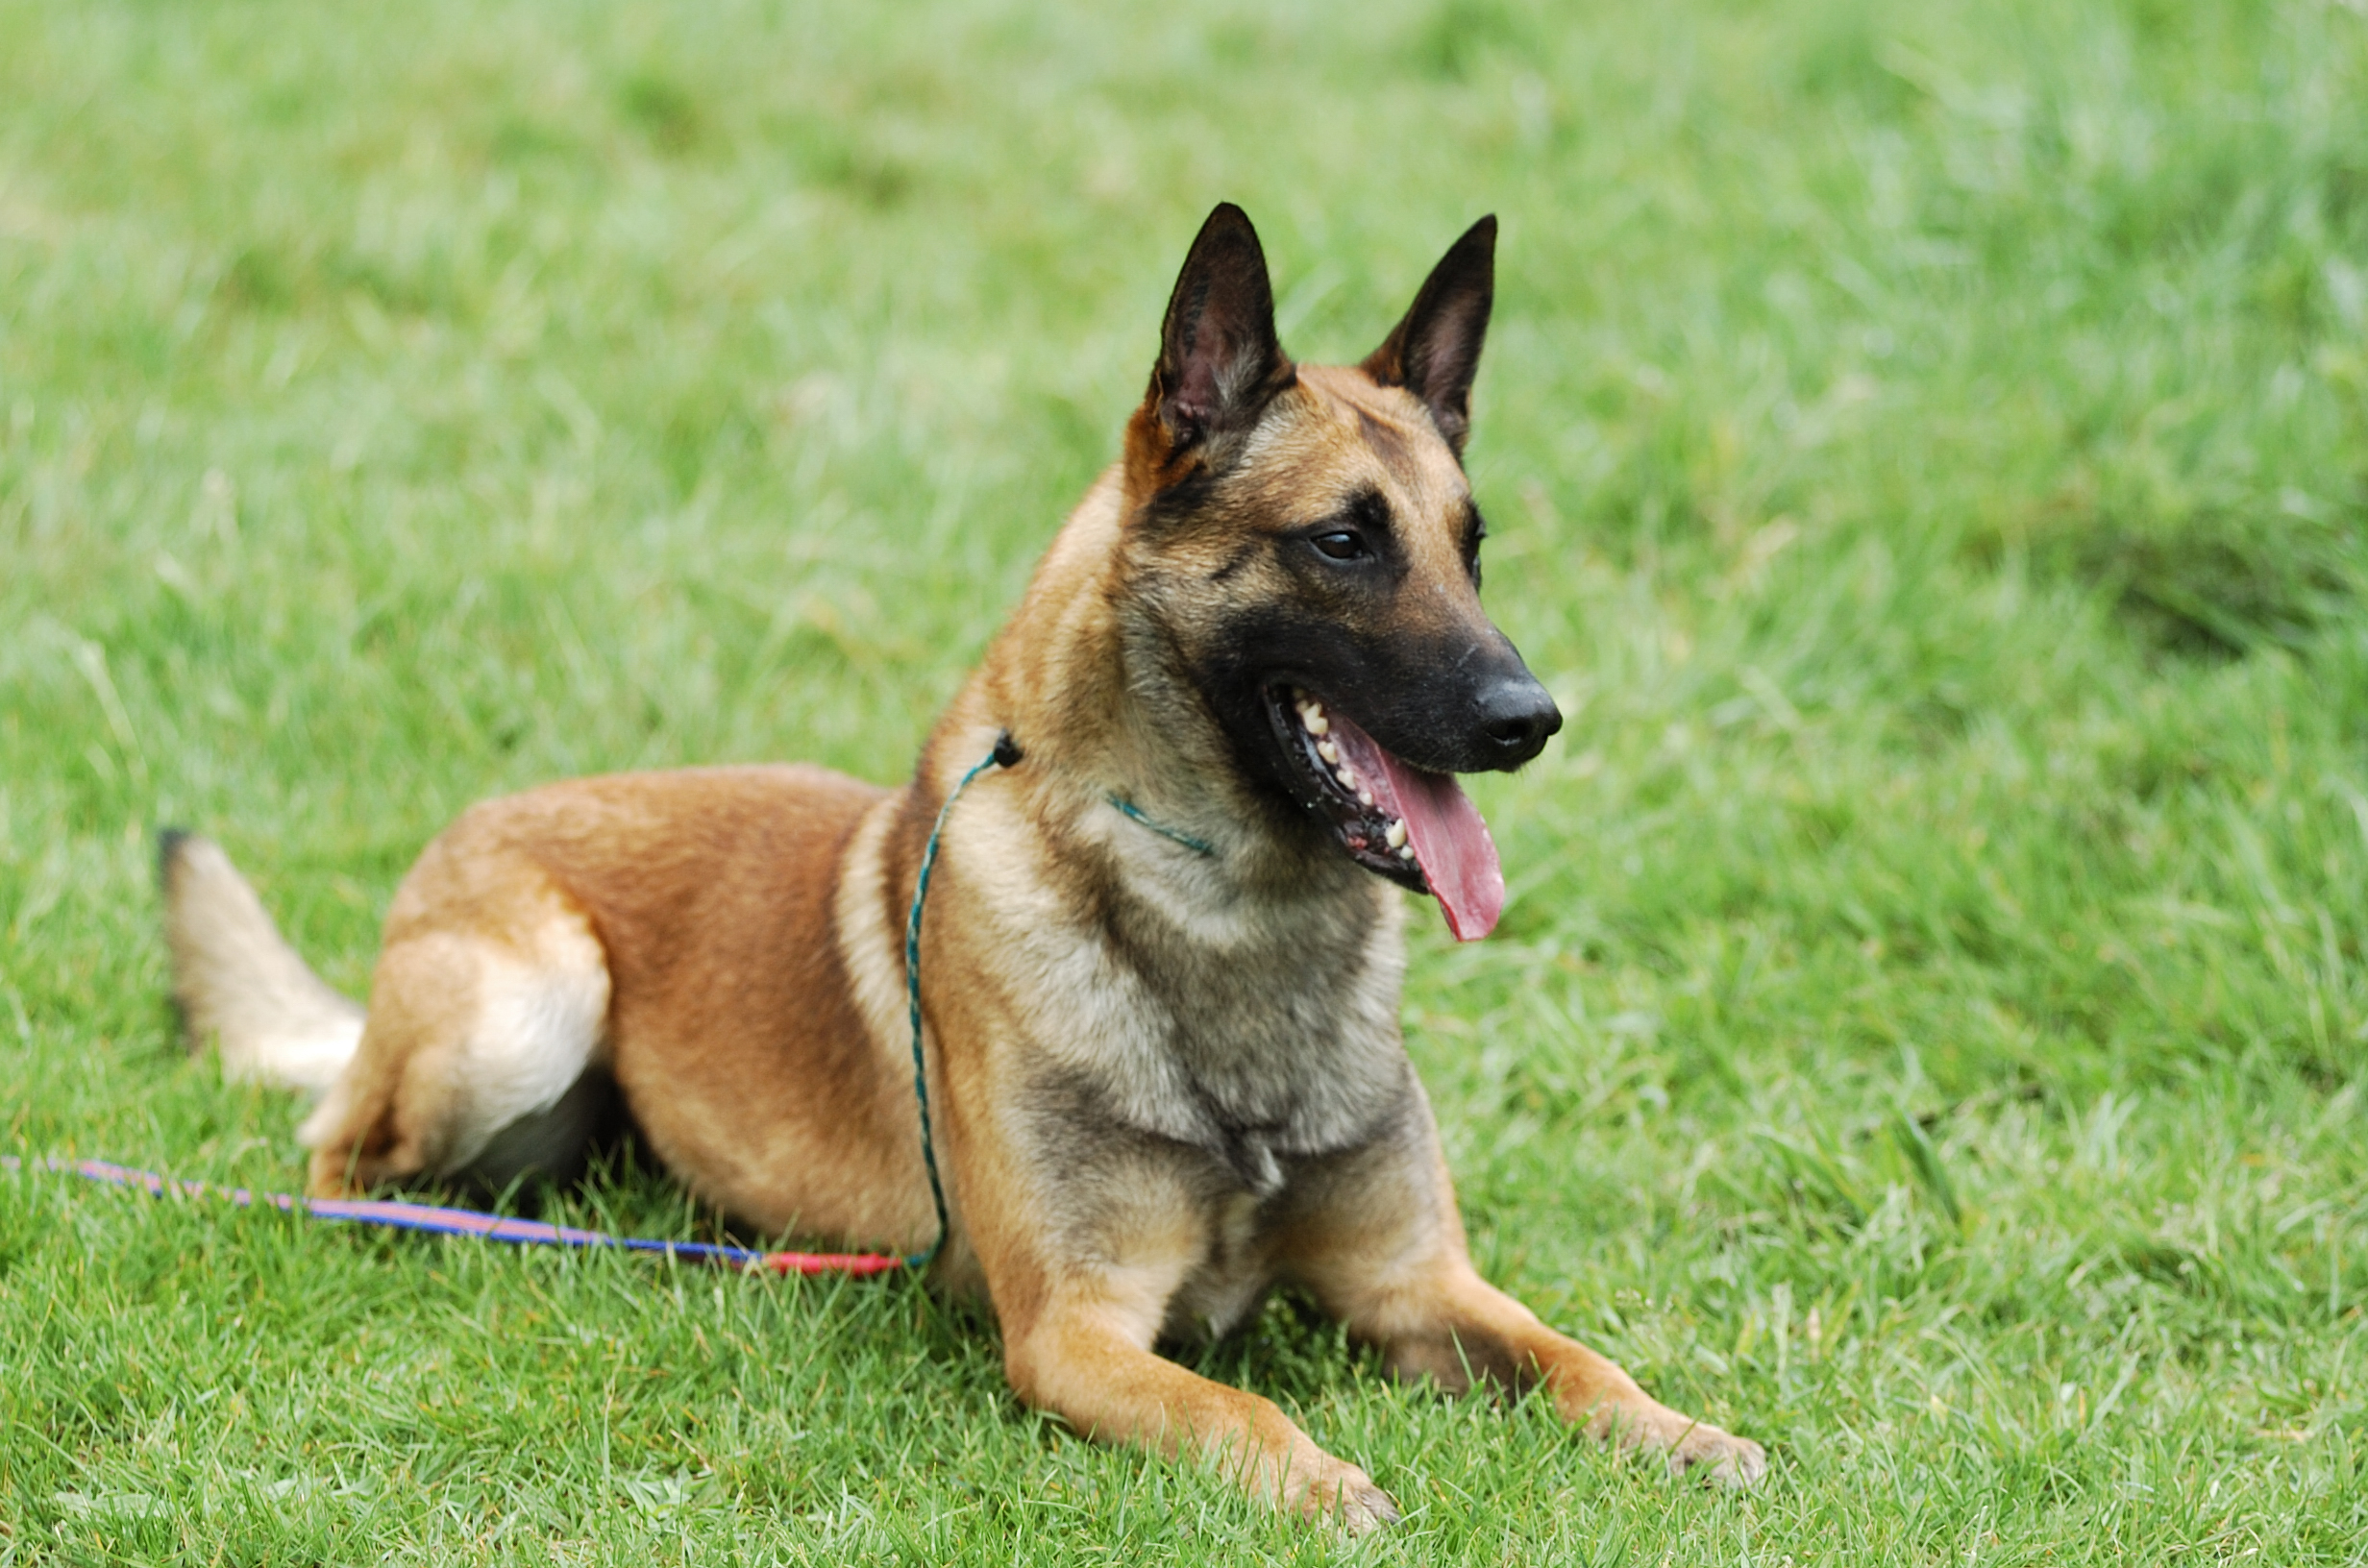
(391, 1213)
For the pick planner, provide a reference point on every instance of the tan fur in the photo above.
(1164, 1082)
(239, 986)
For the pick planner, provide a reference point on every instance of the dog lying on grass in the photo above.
(1161, 958)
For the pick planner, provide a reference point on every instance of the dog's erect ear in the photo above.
(1219, 360)
(1435, 352)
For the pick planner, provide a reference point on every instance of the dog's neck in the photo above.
(1101, 706)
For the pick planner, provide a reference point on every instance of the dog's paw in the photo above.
(1691, 1448)
(1717, 1458)
(1341, 1494)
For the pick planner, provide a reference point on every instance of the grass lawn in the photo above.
(1927, 455)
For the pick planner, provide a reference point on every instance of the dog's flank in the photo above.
(1162, 1038)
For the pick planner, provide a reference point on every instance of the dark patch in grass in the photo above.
(1938, 718)
(2344, 190)
(662, 109)
(2219, 587)
(2211, 585)
(1239, 41)
(517, 139)
(2160, 768)
(875, 176)
(2182, 209)
(1824, 824)
(2182, 1269)
(1461, 36)
(282, 102)
(1843, 62)
(258, 280)
(423, 290)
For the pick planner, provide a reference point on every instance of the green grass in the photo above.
(1927, 448)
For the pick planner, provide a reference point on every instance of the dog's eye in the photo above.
(1339, 546)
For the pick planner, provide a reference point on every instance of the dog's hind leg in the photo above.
(483, 1054)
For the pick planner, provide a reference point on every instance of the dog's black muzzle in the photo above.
(1517, 718)
(1472, 709)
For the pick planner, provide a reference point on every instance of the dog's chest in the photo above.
(1255, 1040)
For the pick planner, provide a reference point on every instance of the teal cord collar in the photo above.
(1006, 754)
(1127, 808)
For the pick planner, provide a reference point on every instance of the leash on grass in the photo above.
(437, 1219)
(397, 1215)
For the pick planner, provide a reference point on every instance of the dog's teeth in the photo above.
(1312, 715)
(1396, 834)
(1328, 751)
(1406, 853)
(1365, 797)
(1348, 777)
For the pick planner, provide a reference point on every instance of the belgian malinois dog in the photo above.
(1161, 950)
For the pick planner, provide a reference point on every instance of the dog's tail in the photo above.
(237, 982)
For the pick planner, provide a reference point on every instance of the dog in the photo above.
(1161, 950)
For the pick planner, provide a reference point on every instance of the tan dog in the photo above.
(1161, 976)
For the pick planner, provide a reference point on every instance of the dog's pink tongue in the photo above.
(1450, 842)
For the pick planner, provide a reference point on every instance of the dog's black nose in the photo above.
(1518, 718)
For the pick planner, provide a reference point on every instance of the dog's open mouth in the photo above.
(1417, 828)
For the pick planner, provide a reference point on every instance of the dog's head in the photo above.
(1310, 546)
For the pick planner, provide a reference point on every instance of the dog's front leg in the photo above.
(1448, 1324)
(1386, 1255)
(1084, 1353)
